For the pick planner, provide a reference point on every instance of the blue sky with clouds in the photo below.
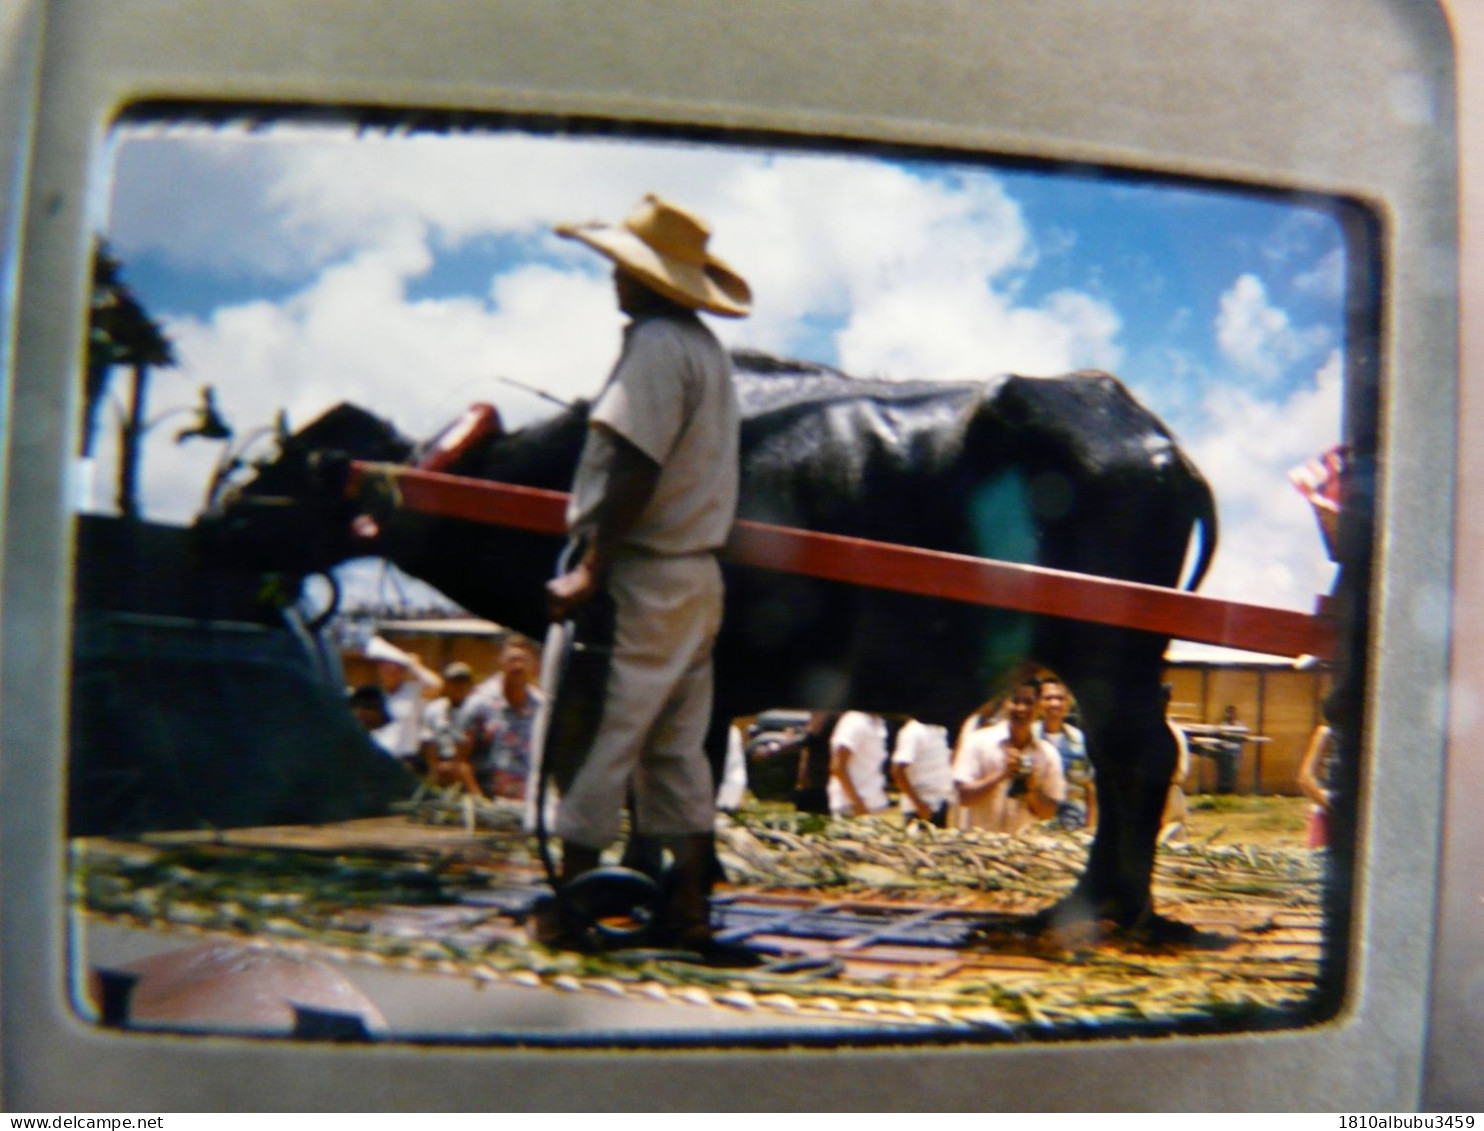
(295, 268)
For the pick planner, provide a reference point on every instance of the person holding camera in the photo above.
(453, 731)
(1005, 777)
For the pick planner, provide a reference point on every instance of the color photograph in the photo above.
(557, 584)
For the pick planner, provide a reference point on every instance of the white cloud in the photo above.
(912, 275)
(1270, 543)
(817, 237)
(353, 336)
(921, 272)
(952, 332)
(280, 202)
(1326, 279)
(1258, 337)
(342, 190)
(822, 236)
(202, 199)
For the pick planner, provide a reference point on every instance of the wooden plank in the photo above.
(1033, 589)
(908, 569)
(475, 500)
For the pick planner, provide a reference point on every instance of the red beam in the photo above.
(478, 500)
(909, 569)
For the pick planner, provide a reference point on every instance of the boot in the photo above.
(688, 908)
(577, 859)
(549, 925)
(688, 911)
(646, 854)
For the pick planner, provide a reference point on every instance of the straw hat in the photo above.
(664, 247)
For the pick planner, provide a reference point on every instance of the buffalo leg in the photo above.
(1133, 754)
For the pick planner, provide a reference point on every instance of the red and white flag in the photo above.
(1318, 480)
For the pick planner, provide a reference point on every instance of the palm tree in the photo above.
(121, 332)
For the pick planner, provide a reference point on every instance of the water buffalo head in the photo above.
(293, 513)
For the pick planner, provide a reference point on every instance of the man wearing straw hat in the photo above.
(653, 499)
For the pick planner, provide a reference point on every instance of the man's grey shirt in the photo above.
(670, 395)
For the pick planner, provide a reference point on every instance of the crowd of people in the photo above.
(478, 735)
(1015, 762)
(450, 729)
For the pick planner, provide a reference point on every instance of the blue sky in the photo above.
(298, 267)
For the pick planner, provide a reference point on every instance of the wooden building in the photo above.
(1279, 702)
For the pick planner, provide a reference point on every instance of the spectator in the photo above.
(513, 701)
(368, 705)
(811, 785)
(1314, 781)
(1172, 821)
(1006, 777)
(922, 768)
(1226, 749)
(805, 749)
(405, 682)
(770, 746)
(858, 765)
(1080, 809)
(455, 731)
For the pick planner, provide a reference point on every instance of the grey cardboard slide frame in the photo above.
(1453, 1079)
(1346, 97)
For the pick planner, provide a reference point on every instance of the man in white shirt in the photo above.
(1080, 810)
(406, 682)
(922, 768)
(453, 731)
(1006, 777)
(858, 765)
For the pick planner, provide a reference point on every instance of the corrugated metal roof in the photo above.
(441, 626)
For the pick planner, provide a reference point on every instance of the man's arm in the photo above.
(902, 759)
(840, 771)
(630, 477)
(904, 784)
(1047, 787)
(969, 787)
(422, 673)
(971, 791)
(1308, 778)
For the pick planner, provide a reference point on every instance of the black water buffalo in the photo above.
(1068, 472)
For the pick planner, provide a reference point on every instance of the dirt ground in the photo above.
(1262, 822)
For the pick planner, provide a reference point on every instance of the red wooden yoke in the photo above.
(908, 569)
